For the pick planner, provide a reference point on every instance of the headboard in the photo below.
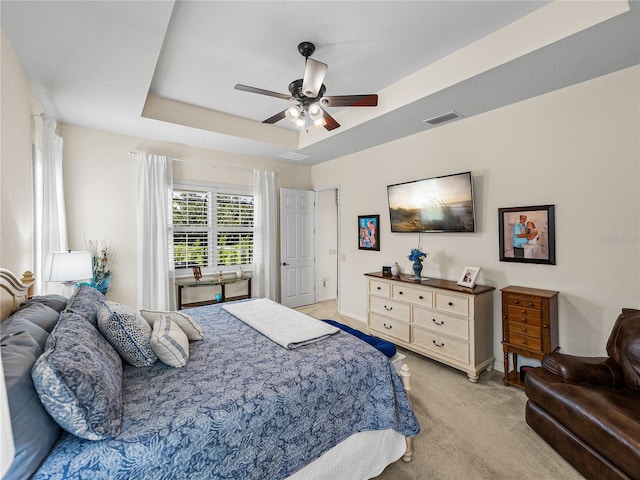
(13, 292)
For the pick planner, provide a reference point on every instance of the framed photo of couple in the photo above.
(368, 232)
(527, 234)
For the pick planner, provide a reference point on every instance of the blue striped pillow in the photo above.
(169, 342)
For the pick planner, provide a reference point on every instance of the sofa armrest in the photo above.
(601, 371)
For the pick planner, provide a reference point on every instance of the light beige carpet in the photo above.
(468, 431)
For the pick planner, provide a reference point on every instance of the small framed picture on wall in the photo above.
(527, 234)
(469, 276)
(369, 232)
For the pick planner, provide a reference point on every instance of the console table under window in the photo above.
(183, 283)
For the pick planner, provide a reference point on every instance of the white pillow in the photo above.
(186, 322)
(169, 342)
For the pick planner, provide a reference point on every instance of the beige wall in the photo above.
(100, 189)
(18, 132)
(577, 148)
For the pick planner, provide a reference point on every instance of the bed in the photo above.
(242, 406)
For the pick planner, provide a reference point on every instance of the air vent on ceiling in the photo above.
(298, 157)
(443, 118)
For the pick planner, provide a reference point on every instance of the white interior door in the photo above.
(297, 247)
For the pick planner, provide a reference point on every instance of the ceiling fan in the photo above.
(308, 93)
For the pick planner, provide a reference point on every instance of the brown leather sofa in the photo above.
(588, 408)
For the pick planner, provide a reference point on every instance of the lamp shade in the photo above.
(6, 434)
(69, 267)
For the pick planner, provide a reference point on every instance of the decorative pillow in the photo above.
(86, 301)
(186, 322)
(79, 380)
(57, 302)
(128, 332)
(39, 314)
(34, 431)
(169, 342)
(623, 346)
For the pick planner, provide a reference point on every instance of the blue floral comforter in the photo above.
(242, 408)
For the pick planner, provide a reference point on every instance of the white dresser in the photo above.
(436, 318)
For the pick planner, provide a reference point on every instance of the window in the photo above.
(212, 227)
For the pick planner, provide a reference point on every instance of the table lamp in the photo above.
(69, 267)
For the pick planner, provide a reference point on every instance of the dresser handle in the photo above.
(400, 293)
(388, 309)
(421, 297)
(451, 304)
(388, 327)
(524, 320)
(524, 329)
(379, 288)
(524, 342)
(438, 345)
(439, 324)
(516, 302)
(531, 304)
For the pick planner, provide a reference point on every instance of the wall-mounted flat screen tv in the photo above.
(438, 204)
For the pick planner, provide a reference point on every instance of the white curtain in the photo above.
(156, 273)
(265, 248)
(50, 217)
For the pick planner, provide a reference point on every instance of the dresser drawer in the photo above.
(416, 296)
(439, 322)
(389, 327)
(525, 301)
(524, 329)
(381, 289)
(524, 341)
(390, 308)
(441, 345)
(452, 304)
(525, 315)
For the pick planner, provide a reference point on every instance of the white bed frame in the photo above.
(14, 292)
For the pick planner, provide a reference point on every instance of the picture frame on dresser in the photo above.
(468, 276)
(369, 232)
(527, 234)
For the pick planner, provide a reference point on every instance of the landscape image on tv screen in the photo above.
(439, 204)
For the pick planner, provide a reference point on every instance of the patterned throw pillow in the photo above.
(169, 342)
(79, 380)
(128, 332)
(86, 302)
(186, 322)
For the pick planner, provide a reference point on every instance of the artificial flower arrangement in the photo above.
(101, 260)
(416, 255)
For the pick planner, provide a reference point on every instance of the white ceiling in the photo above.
(166, 70)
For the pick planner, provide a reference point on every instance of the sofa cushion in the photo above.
(606, 419)
(623, 346)
(34, 431)
(186, 322)
(169, 342)
(86, 301)
(79, 379)
(128, 332)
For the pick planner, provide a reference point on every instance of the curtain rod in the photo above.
(214, 165)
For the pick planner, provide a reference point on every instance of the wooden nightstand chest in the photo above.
(529, 326)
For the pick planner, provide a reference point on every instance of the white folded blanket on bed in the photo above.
(288, 328)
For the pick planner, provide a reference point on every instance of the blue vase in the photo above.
(417, 270)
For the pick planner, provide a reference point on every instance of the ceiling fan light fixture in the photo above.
(301, 121)
(293, 113)
(315, 111)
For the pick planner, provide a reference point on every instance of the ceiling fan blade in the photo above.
(261, 91)
(351, 101)
(276, 118)
(330, 123)
(314, 73)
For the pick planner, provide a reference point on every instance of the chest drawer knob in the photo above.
(516, 302)
(451, 304)
(421, 297)
(439, 345)
(379, 288)
(400, 293)
(524, 319)
(388, 327)
(388, 309)
(524, 329)
(524, 342)
(438, 323)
